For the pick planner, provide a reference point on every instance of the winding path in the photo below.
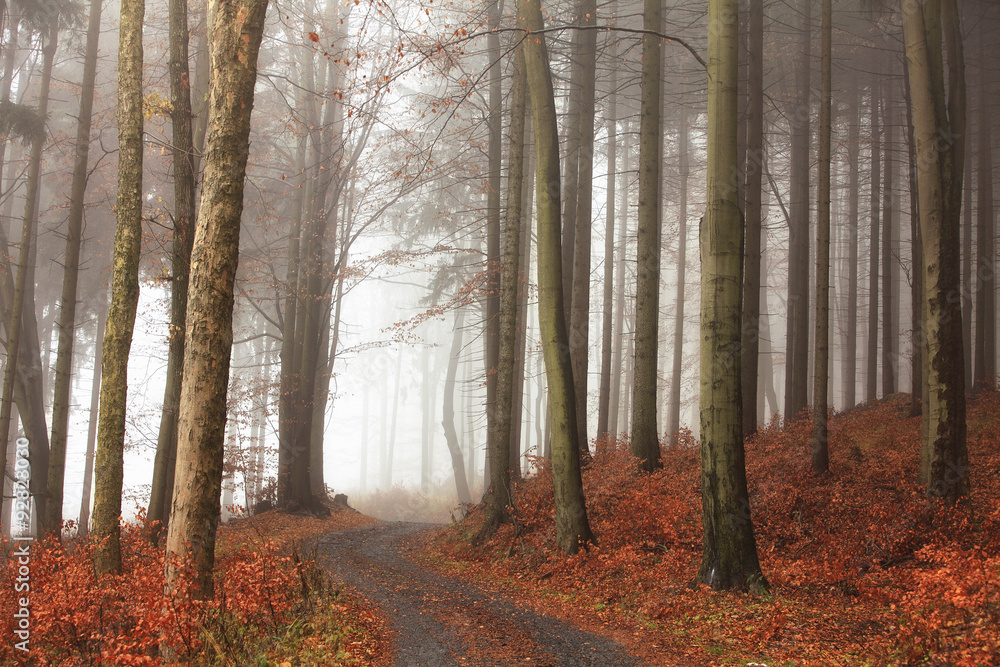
(439, 621)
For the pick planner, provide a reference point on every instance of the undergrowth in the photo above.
(271, 605)
(863, 568)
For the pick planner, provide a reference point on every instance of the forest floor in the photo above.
(863, 568)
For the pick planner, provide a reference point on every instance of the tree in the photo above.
(607, 321)
(572, 526)
(729, 557)
(926, 24)
(499, 496)
(20, 314)
(110, 461)
(645, 439)
(235, 30)
(185, 163)
(797, 335)
(71, 272)
(820, 443)
(754, 170)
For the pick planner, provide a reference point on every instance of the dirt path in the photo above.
(440, 621)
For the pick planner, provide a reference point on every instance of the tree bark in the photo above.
(752, 201)
(236, 28)
(448, 414)
(579, 321)
(820, 442)
(83, 525)
(985, 368)
(572, 526)
(944, 456)
(124, 294)
(499, 498)
(851, 334)
(729, 558)
(674, 403)
(797, 335)
(645, 438)
(164, 464)
(871, 374)
(607, 309)
(889, 334)
(617, 382)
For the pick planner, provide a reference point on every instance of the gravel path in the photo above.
(439, 621)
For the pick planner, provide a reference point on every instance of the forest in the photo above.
(666, 330)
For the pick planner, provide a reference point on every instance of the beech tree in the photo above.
(931, 27)
(120, 324)
(572, 525)
(729, 557)
(235, 32)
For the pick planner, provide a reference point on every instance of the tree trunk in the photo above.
(871, 375)
(162, 489)
(986, 335)
(917, 269)
(645, 438)
(797, 336)
(51, 522)
(944, 457)
(889, 334)
(851, 334)
(498, 496)
(674, 404)
(607, 308)
(236, 29)
(493, 258)
(579, 304)
(83, 525)
(754, 159)
(617, 381)
(124, 294)
(448, 414)
(572, 526)
(820, 443)
(729, 557)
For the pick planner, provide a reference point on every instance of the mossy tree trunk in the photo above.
(235, 31)
(124, 294)
(572, 526)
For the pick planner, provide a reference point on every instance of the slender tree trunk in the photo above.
(889, 334)
(645, 438)
(579, 321)
(851, 333)
(916, 253)
(236, 28)
(390, 451)
(83, 525)
(820, 443)
(493, 257)
(729, 557)
(617, 381)
(674, 403)
(871, 375)
(754, 172)
(498, 496)
(986, 334)
(162, 490)
(448, 414)
(607, 321)
(124, 294)
(797, 337)
(572, 526)
(51, 522)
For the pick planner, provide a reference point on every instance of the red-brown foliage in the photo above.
(78, 619)
(863, 568)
